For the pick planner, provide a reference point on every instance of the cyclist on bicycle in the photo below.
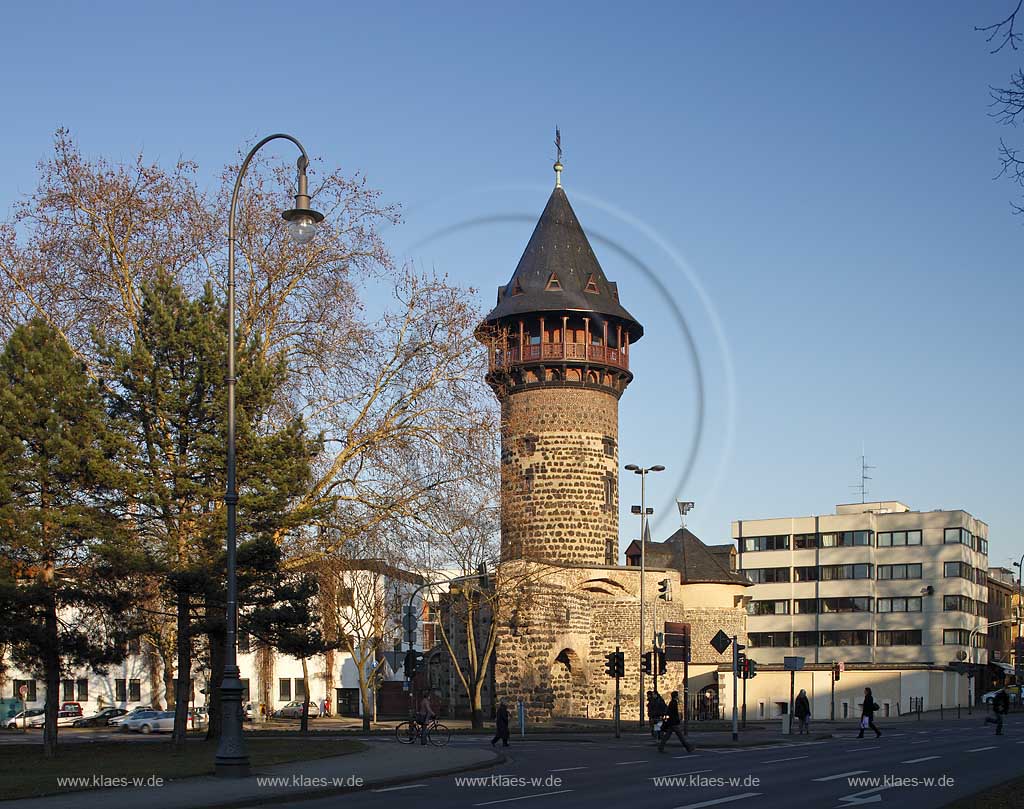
(426, 716)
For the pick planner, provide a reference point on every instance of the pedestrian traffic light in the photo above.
(662, 662)
(836, 671)
(615, 664)
(645, 663)
(751, 668)
(665, 589)
(741, 664)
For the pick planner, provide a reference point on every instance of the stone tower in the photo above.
(559, 343)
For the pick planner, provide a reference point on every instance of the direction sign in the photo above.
(721, 642)
(677, 642)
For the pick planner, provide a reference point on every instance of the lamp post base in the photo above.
(232, 760)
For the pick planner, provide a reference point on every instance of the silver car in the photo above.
(32, 718)
(293, 710)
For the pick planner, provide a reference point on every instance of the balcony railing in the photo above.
(573, 352)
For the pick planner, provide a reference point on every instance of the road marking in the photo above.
(922, 741)
(523, 797)
(918, 760)
(839, 775)
(979, 749)
(395, 789)
(688, 755)
(717, 801)
(777, 760)
(624, 763)
(677, 774)
(855, 799)
(568, 769)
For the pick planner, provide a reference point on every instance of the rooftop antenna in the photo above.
(558, 159)
(864, 477)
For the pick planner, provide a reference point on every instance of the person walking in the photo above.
(670, 725)
(656, 708)
(802, 711)
(501, 725)
(1000, 707)
(867, 715)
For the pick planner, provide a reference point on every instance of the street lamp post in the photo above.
(643, 511)
(232, 759)
(1020, 609)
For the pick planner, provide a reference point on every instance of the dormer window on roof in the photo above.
(553, 284)
(591, 285)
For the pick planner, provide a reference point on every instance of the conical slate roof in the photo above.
(560, 273)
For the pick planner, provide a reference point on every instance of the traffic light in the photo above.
(645, 663)
(836, 671)
(615, 664)
(741, 664)
(662, 662)
(409, 623)
(665, 589)
(751, 668)
(413, 662)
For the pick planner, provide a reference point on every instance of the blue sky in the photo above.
(811, 184)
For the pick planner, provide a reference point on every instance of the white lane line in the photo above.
(718, 801)
(923, 741)
(638, 761)
(677, 774)
(979, 749)
(777, 760)
(568, 769)
(395, 789)
(523, 797)
(839, 775)
(688, 755)
(918, 760)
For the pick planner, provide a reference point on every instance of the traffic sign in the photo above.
(721, 642)
(23, 691)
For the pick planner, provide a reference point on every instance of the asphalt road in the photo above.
(948, 761)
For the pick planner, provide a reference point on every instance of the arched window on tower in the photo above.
(609, 490)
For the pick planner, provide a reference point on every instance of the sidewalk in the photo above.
(383, 764)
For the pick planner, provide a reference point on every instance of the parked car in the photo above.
(66, 719)
(32, 718)
(151, 722)
(1012, 692)
(249, 711)
(293, 710)
(98, 720)
(197, 717)
(117, 721)
(72, 707)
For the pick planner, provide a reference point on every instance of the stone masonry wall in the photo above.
(555, 461)
(551, 654)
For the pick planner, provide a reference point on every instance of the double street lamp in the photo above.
(643, 511)
(232, 759)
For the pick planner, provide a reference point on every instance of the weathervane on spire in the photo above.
(558, 159)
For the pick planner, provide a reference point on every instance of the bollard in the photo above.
(919, 701)
(958, 710)
(941, 708)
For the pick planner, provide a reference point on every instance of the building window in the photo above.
(121, 690)
(609, 491)
(961, 570)
(899, 571)
(955, 637)
(837, 572)
(30, 685)
(898, 637)
(768, 640)
(300, 688)
(284, 689)
(609, 446)
(69, 690)
(897, 539)
(805, 638)
(528, 481)
(530, 444)
(846, 539)
(980, 577)
(805, 606)
(134, 691)
(83, 689)
(779, 607)
(846, 604)
(981, 545)
(900, 604)
(805, 541)
(846, 637)
(958, 603)
(768, 575)
(773, 543)
(958, 536)
(807, 573)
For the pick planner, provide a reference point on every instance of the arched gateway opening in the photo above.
(568, 685)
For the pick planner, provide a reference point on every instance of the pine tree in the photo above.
(62, 545)
(168, 393)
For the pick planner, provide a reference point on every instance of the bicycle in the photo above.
(409, 731)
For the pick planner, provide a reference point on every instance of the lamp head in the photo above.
(657, 468)
(632, 467)
(302, 219)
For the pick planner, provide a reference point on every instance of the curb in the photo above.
(326, 792)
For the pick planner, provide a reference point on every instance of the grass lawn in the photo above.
(1004, 796)
(25, 773)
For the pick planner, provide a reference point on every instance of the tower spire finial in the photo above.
(558, 159)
